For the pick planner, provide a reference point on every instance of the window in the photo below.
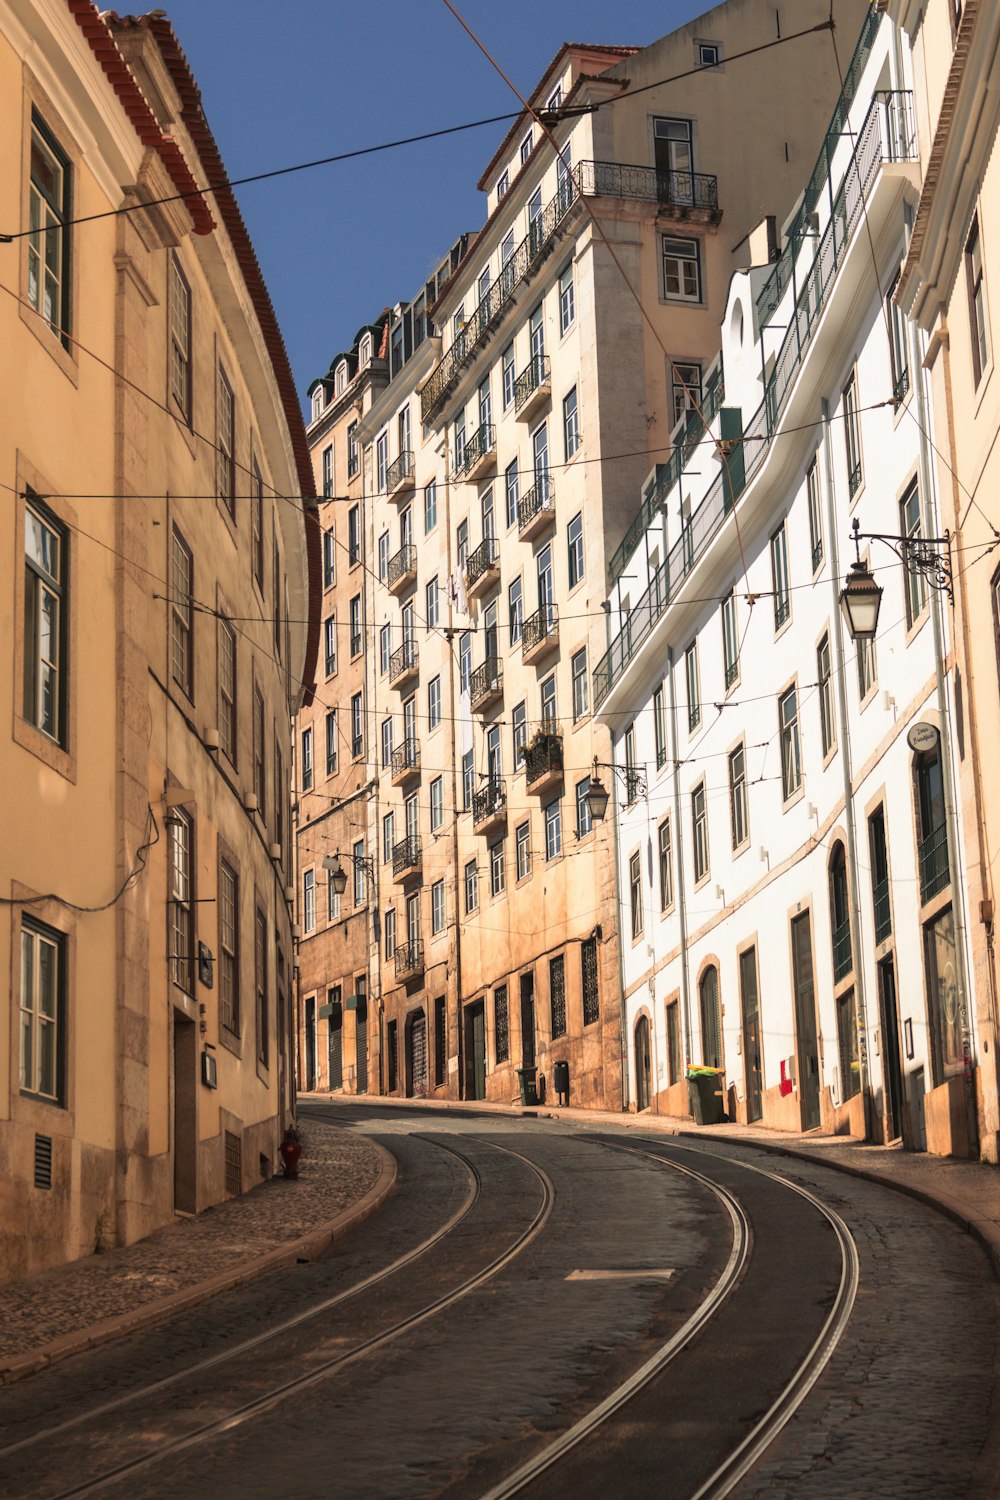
(327, 472)
(507, 376)
(730, 640)
(815, 518)
(318, 402)
(847, 1045)
(260, 984)
(827, 724)
(589, 981)
(571, 424)
(557, 994)
(437, 803)
(707, 54)
(673, 1042)
(383, 557)
(632, 775)
(788, 728)
(468, 780)
(503, 183)
(685, 381)
(226, 443)
(914, 582)
(515, 610)
(464, 661)
(519, 733)
(180, 339)
(635, 894)
(181, 612)
(181, 903)
(386, 743)
(276, 577)
(330, 645)
(459, 440)
(711, 1018)
(433, 703)
(382, 462)
(357, 727)
(353, 536)
(498, 854)
(353, 456)
(947, 1048)
(659, 726)
(259, 752)
(526, 146)
(388, 837)
(522, 850)
(389, 933)
(578, 677)
(553, 830)
(867, 668)
(437, 908)
(567, 300)
(879, 867)
(332, 899)
(42, 1012)
(852, 434)
(699, 832)
(360, 887)
(331, 741)
(471, 887)
(584, 823)
(462, 543)
(48, 240)
(510, 481)
(280, 797)
(307, 759)
(501, 1025)
(898, 361)
(681, 270)
(430, 506)
(693, 679)
(308, 900)
(229, 947)
(45, 637)
(739, 812)
(257, 528)
(779, 577)
(356, 625)
(664, 851)
(978, 321)
(432, 598)
(574, 548)
(329, 558)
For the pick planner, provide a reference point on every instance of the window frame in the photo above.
(790, 743)
(40, 582)
(33, 1017)
(53, 211)
(181, 339)
(675, 242)
(181, 615)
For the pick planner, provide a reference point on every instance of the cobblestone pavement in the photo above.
(337, 1169)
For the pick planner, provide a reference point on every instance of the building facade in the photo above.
(157, 577)
(792, 854)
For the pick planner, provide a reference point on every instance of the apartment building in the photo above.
(157, 643)
(791, 857)
(498, 466)
(948, 286)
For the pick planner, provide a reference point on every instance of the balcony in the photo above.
(682, 196)
(543, 762)
(405, 762)
(409, 960)
(482, 568)
(486, 684)
(883, 910)
(479, 454)
(402, 573)
(404, 664)
(406, 858)
(843, 961)
(540, 634)
(537, 510)
(399, 476)
(533, 387)
(489, 808)
(932, 855)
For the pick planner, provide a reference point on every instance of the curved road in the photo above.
(547, 1309)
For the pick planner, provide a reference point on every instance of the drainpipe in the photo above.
(619, 907)
(848, 775)
(456, 782)
(679, 841)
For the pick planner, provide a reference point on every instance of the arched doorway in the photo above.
(711, 1018)
(642, 1063)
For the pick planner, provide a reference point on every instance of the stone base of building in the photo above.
(43, 1227)
(946, 1117)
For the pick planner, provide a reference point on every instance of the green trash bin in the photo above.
(707, 1095)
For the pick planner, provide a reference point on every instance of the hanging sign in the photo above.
(922, 736)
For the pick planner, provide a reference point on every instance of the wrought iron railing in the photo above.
(883, 910)
(843, 960)
(611, 179)
(932, 856)
(403, 659)
(541, 497)
(406, 757)
(479, 562)
(539, 626)
(486, 679)
(409, 958)
(482, 441)
(535, 374)
(400, 469)
(543, 756)
(402, 563)
(489, 801)
(406, 854)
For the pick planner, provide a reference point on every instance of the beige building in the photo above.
(950, 287)
(155, 576)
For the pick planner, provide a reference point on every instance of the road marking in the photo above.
(641, 1273)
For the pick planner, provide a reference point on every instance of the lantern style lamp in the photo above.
(597, 797)
(338, 875)
(860, 599)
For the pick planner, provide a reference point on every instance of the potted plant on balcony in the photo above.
(545, 749)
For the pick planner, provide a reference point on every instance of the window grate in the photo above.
(501, 1024)
(234, 1163)
(557, 993)
(43, 1161)
(591, 997)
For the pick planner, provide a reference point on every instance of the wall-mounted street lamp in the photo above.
(861, 596)
(338, 875)
(598, 796)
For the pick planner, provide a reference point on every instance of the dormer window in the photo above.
(555, 98)
(503, 183)
(526, 146)
(365, 351)
(340, 378)
(318, 402)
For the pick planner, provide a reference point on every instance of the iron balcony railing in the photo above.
(519, 267)
(539, 498)
(486, 679)
(539, 626)
(404, 562)
(409, 958)
(489, 801)
(406, 854)
(406, 757)
(403, 659)
(843, 960)
(543, 756)
(485, 557)
(883, 910)
(747, 454)
(482, 441)
(817, 555)
(535, 374)
(611, 179)
(933, 860)
(401, 469)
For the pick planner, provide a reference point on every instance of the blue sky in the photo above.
(286, 82)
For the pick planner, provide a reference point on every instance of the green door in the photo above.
(475, 1051)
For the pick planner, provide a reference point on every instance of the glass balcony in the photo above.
(533, 387)
(403, 664)
(482, 568)
(486, 683)
(406, 858)
(402, 572)
(405, 761)
(409, 959)
(540, 633)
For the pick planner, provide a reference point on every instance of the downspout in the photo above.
(621, 946)
(679, 841)
(455, 778)
(848, 776)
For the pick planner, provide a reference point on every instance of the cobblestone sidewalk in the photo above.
(76, 1305)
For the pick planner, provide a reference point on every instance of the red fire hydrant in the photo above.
(291, 1150)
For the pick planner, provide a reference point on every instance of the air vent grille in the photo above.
(234, 1163)
(43, 1161)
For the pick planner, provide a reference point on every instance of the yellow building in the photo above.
(157, 555)
(950, 287)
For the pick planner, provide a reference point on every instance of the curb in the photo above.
(307, 1247)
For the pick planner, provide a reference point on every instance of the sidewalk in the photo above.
(342, 1178)
(967, 1191)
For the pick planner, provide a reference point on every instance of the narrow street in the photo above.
(543, 1308)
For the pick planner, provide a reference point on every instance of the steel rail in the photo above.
(278, 1394)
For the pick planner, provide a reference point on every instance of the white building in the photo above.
(788, 908)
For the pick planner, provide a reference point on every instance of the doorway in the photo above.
(475, 1050)
(892, 1072)
(750, 1003)
(416, 1055)
(310, 1043)
(642, 1064)
(806, 1039)
(527, 1020)
(335, 1040)
(361, 1035)
(185, 1114)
